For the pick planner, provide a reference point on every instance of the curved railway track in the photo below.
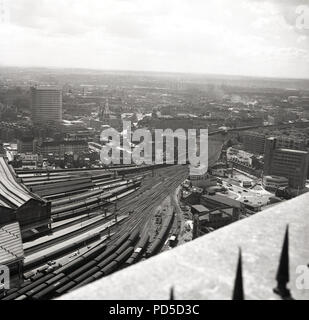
(126, 246)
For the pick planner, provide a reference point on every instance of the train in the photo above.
(173, 240)
(88, 204)
(60, 252)
(113, 184)
(158, 243)
(139, 251)
(123, 248)
(94, 264)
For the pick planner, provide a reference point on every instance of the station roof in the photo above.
(12, 194)
(4, 204)
(11, 246)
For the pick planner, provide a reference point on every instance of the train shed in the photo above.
(18, 204)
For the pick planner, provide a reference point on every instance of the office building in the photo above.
(292, 164)
(270, 147)
(288, 163)
(46, 105)
(25, 145)
(254, 143)
(288, 143)
(11, 251)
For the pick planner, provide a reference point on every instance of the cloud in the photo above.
(251, 37)
(290, 10)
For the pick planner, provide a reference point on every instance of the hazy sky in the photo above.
(245, 37)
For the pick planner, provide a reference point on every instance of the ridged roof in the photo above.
(11, 193)
(11, 246)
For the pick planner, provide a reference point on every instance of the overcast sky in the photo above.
(243, 37)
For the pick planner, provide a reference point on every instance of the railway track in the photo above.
(124, 247)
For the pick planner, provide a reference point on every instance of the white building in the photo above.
(275, 182)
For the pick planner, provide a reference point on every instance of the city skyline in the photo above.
(246, 38)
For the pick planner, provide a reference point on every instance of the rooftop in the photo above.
(64, 142)
(11, 246)
(226, 213)
(276, 178)
(200, 208)
(11, 192)
(26, 139)
(44, 88)
(293, 151)
(223, 199)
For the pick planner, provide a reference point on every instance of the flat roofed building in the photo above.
(62, 147)
(270, 147)
(46, 102)
(217, 201)
(217, 218)
(254, 142)
(199, 209)
(25, 145)
(275, 182)
(292, 164)
(288, 163)
(202, 180)
(288, 143)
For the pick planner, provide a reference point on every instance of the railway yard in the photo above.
(101, 221)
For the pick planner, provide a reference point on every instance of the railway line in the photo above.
(94, 197)
(127, 244)
(120, 169)
(67, 233)
(77, 195)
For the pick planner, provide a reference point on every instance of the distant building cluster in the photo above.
(256, 142)
(285, 159)
(33, 151)
(62, 147)
(44, 148)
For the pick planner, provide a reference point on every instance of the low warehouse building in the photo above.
(219, 201)
(199, 209)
